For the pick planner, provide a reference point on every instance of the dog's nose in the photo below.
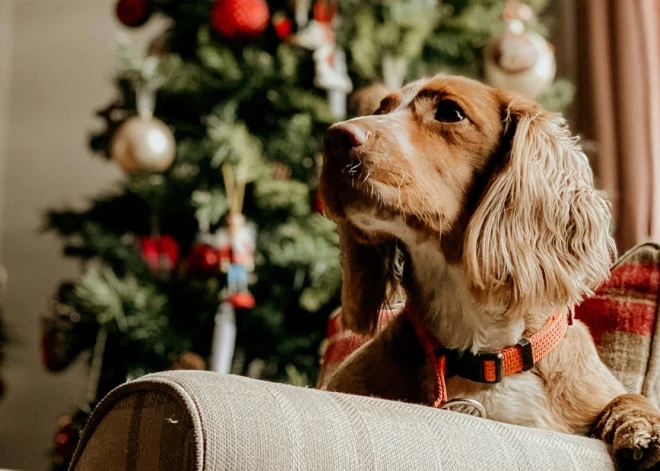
(347, 135)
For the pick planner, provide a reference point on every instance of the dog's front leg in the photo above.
(631, 425)
(390, 366)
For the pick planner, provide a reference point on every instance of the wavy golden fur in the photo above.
(480, 206)
(543, 192)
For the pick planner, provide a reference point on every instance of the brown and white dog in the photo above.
(481, 206)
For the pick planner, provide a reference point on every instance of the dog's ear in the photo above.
(367, 280)
(541, 230)
(366, 101)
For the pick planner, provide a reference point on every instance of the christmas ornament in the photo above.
(65, 332)
(337, 95)
(330, 63)
(67, 437)
(317, 202)
(237, 260)
(203, 259)
(189, 361)
(224, 338)
(282, 26)
(240, 19)
(161, 253)
(301, 12)
(134, 13)
(519, 60)
(394, 71)
(237, 247)
(143, 145)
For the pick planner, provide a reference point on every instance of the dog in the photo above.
(479, 207)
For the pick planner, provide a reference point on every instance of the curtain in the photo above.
(619, 108)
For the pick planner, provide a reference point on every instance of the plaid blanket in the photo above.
(621, 317)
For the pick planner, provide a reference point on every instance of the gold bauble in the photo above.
(143, 145)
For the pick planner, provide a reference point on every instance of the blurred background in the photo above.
(159, 162)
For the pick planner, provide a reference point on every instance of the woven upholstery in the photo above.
(621, 316)
(185, 420)
(146, 429)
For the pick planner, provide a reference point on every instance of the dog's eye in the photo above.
(449, 112)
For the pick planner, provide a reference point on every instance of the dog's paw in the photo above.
(631, 425)
(636, 443)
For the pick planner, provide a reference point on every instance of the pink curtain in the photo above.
(619, 107)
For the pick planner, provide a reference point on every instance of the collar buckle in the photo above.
(484, 367)
(527, 353)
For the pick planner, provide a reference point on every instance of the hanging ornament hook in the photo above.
(145, 100)
(235, 181)
(145, 87)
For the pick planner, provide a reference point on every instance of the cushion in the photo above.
(621, 316)
(622, 319)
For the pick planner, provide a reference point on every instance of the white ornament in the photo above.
(331, 74)
(143, 145)
(394, 71)
(520, 61)
(337, 96)
(224, 339)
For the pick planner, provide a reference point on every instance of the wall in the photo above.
(6, 37)
(61, 63)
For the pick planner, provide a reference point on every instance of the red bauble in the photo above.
(66, 439)
(245, 19)
(317, 202)
(161, 253)
(282, 26)
(134, 13)
(204, 259)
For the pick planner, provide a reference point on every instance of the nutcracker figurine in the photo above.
(237, 260)
(318, 35)
(235, 246)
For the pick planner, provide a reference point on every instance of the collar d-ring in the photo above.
(478, 409)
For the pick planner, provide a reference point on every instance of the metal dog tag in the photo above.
(466, 406)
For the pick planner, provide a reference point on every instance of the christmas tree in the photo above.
(219, 127)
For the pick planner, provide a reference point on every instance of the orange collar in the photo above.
(488, 367)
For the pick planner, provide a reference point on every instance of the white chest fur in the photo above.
(519, 399)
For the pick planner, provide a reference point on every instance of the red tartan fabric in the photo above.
(626, 303)
(622, 319)
(340, 342)
(621, 316)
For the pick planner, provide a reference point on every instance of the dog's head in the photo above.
(498, 181)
